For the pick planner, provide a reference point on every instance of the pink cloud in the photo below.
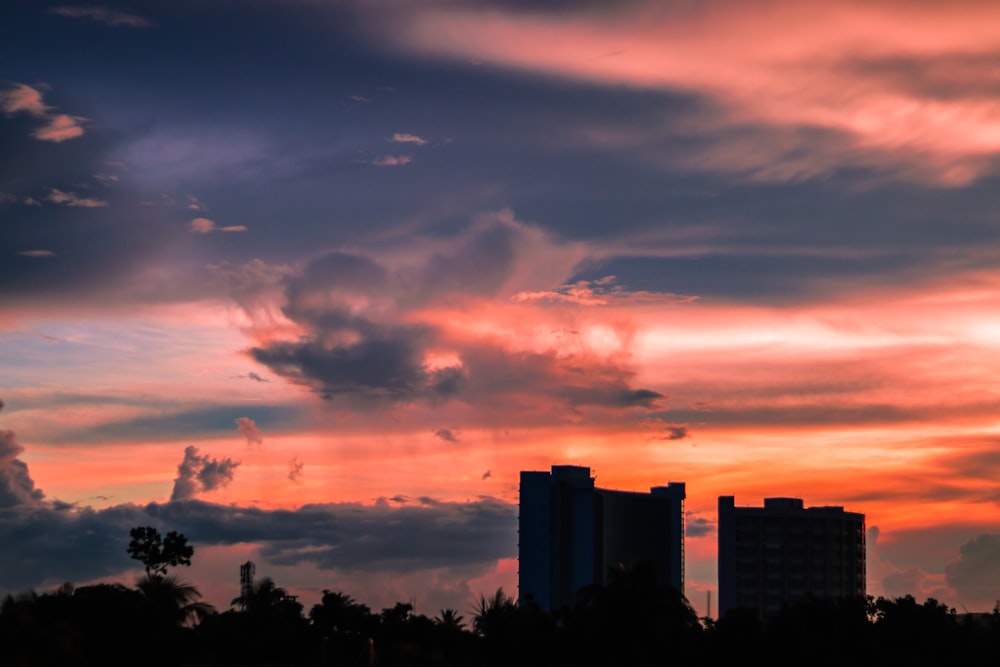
(60, 127)
(74, 200)
(56, 127)
(248, 429)
(206, 226)
(22, 98)
(392, 160)
(407, 138)
(769, 71)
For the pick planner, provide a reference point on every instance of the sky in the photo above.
(311, 281)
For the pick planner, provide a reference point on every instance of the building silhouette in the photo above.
(570, 533)
(783, 552)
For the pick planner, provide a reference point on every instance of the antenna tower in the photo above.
(246, 581)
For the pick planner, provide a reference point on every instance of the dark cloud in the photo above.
(698, 526)
(48, 546)
(295, 468)
(198, 473)
(178, 421)
(674, 432)
(384, 363)
(256, 378)
(975, 575)
(446, 434)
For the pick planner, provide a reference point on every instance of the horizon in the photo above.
(312, 282)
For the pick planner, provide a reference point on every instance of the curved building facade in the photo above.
(570, 533)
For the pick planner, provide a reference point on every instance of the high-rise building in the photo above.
(783, 552)
(570, 533)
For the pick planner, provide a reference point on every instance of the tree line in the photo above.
(632, 620)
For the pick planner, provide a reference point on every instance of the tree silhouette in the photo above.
(449, 618)
(633, 618)
(173, 601)
(266, 599)
(157, 553)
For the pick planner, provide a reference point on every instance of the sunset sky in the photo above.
(311, 281)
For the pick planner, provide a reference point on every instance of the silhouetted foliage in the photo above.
(175, 602)
(157, 553)
(631, 620)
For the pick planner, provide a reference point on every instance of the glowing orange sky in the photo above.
(750, 247)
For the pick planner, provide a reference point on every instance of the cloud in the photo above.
(16, 486)
(23, 98)
(60, 127)
(206, 226)
(198, 473)
(487, 475)
(358, 329)
(975, 575)
(56, 127)
(907, 581)
(674, 432)
(406, 138)
(36, 253)
(105, 179)
(72, 199)
(446, 434)
(782, 93)
(359, 98)
(698, 526)
(249, 430)
(392, 160)
(295, 468)
(611, 394)
(600, 292)
(109, 17)
(8, 198)
(56, 545)
(252, 376)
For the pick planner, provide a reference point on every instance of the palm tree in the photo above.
(495, 616)
(174, 601)
(450, 619)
